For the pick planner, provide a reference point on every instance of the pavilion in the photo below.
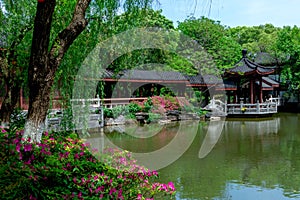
(252, 81)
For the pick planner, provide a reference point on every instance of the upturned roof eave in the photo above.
(249, 68)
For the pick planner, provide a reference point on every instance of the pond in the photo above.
(233, 159)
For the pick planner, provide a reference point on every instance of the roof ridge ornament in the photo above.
(244, 53)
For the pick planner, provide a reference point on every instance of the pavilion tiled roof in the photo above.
(212, 80)
(145, 75)
(265, 59)
(248, 67)
(270, 81)
(170, 76)
(227, 85)
(207, 79)
(196, 80)
(107, 74)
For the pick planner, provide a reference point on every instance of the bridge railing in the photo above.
(113, 102)
(217, 105)
(258, 108)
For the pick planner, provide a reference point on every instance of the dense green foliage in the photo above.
(288, 51)
(214, 38)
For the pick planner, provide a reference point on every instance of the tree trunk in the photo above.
(12, 86)
(39, 100)
(9, 103)
(39, 78)
(43, 64)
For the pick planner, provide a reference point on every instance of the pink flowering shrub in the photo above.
(62, 167)
(162, 104)
(123, 162)
(156, 104)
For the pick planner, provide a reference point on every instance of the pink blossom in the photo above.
(20, 156)
(120, 196)
(18, 146)
(32, 197)
(111, 191)
(27, 147)
(171, 186)
(139, 197)
(28, 162)
(99, 189)
(155, 173)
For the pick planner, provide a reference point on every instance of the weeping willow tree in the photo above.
(48, 49)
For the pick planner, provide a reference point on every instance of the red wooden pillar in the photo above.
(251, 91)
(260, 90)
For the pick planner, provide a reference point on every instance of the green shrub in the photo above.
(108, 113)
(17, 119)
(134, 108)
(116, 111)
(153, 117)
(147, 105)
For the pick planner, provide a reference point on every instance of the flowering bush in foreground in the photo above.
(62, 167)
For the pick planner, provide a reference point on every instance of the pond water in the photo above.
(233, 159)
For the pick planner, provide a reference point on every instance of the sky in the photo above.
(234, 13)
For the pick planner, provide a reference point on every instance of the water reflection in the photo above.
(213, 134)
(153, 146)
(255, 159)
(251, 159)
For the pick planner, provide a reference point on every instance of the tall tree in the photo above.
(45, 58)
(44, 62)
(214, 38)
(256, 39)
